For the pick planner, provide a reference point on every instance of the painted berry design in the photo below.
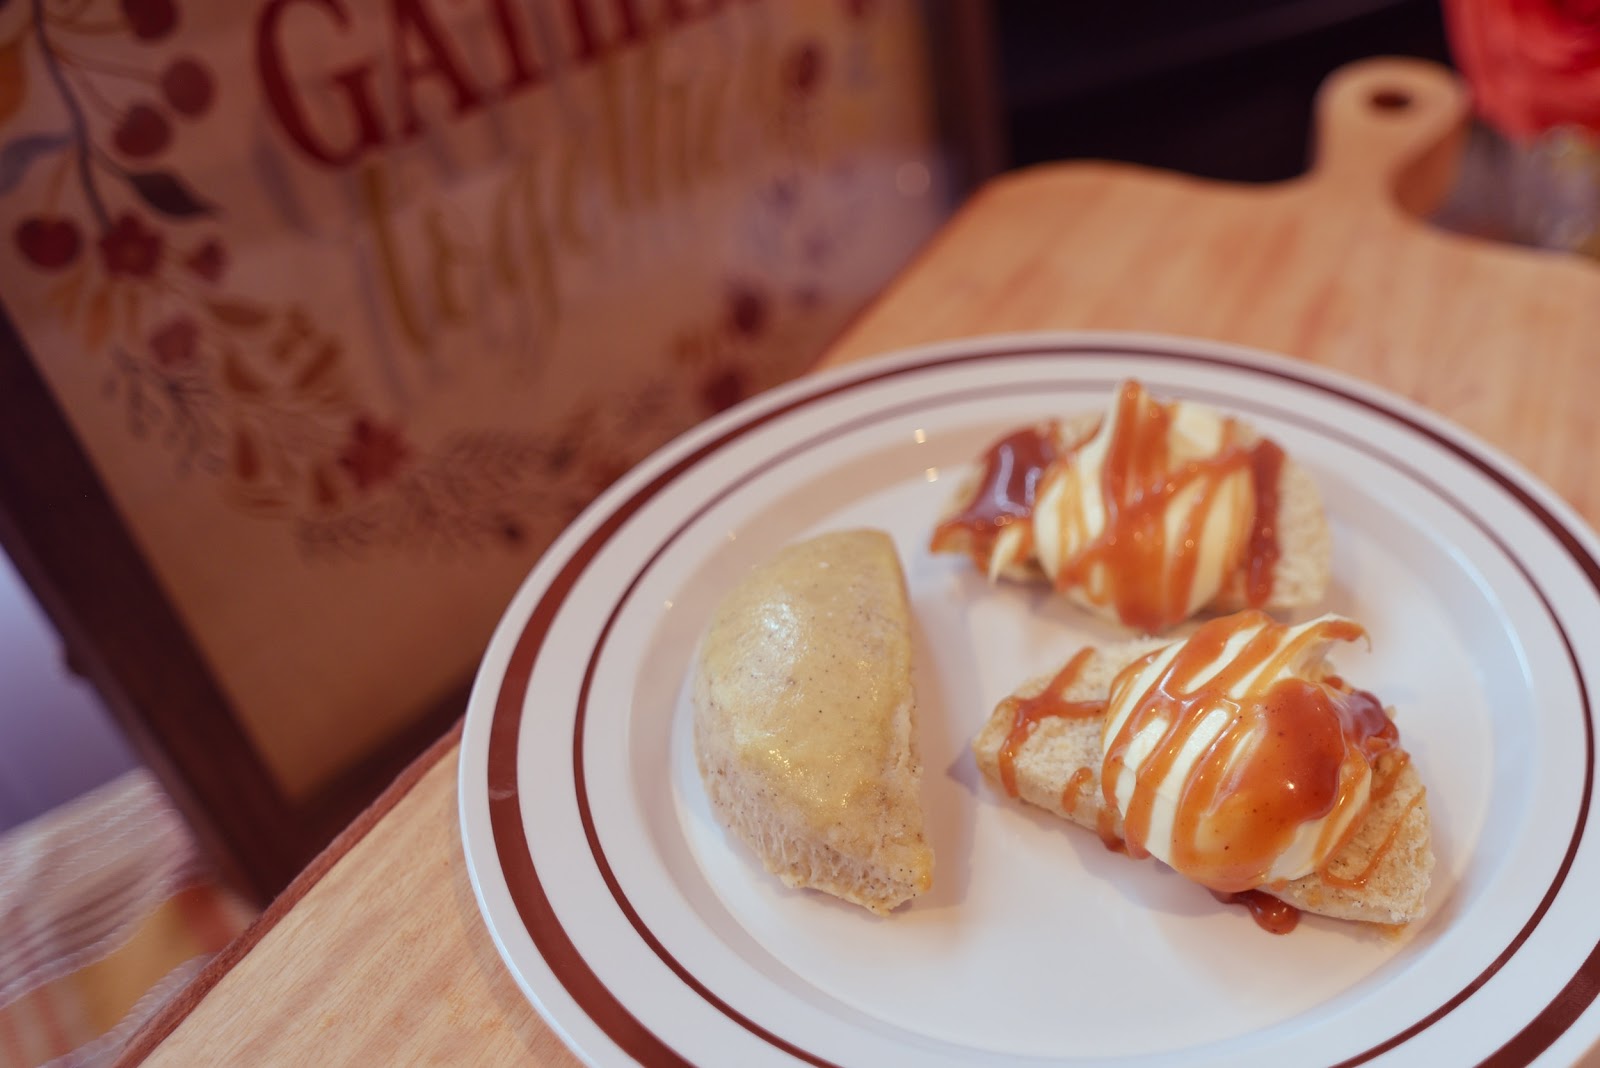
(747, 310)
(130, 248)
(49, 242)
(150, 20)
(188, 87)
(804, 67)
(373, 452)
(209, 261)
(143, 132)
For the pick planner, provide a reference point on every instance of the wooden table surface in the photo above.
(378, 955)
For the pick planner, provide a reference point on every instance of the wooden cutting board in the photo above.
(1338, 267)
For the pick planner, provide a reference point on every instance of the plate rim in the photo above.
(498, 692)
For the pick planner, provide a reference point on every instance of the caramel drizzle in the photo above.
(1261, 558)
(1105, 824)
(1012, 470)
(1278, 916)
(1150, 581)
(1149, 592)
(1077, 782)
(1270, 913)
(1282, 752)
(1026, 712)
(1381, 789)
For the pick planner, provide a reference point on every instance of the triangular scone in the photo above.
(805, 720)
(1057, 766)
(1289, 531)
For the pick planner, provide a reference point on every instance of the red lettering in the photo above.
(355, 85)
(413, 25)
(678, 10)
(589, 44)
(520, 72)
(423, 54)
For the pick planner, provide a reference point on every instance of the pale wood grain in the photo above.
(386, 959)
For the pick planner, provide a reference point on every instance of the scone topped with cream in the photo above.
(1238, 757)
(1147, 514)
(805, 730)
(1228, 757)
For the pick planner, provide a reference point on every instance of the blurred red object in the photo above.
(1533, 65)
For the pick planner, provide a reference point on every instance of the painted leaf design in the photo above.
(324, 487)
(296, 328)
(246, 456)
(239, 378)
(167, 193)
(132, 312)
(64, 297)
(259, 497)
(240, 313)
(333, 392)
(321, 365)
(18, 155)
(13, 77)
(97, 323)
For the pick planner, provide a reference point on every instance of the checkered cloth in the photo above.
(106, 910)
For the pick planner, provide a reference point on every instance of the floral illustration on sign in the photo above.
(258, 395)
(263, 398)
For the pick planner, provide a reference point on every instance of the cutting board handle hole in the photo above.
(1390, 99)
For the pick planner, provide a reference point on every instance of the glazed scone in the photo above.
(1054, 744)
(805, 720)
(1146, 514)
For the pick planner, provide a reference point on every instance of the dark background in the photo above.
(1219, 88)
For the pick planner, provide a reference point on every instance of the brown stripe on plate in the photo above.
(603, 1007)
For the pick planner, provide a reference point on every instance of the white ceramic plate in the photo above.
(643, 932)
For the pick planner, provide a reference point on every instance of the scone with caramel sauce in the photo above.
(1238, 758)
(1146, 514)
(805, 726)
